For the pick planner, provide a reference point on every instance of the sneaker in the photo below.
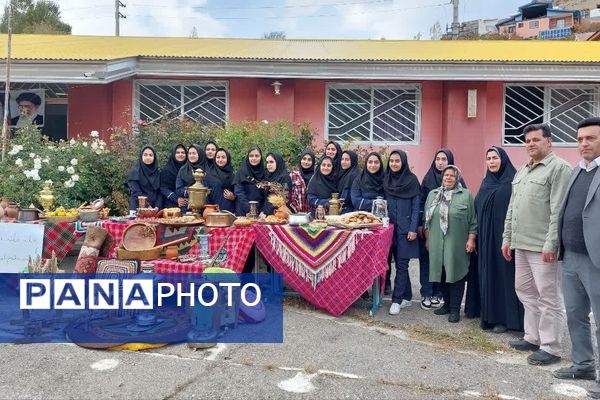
(436, 302)
(426, 303)
(574, 373)
(523, 345)
(395, 309)
(443, 310)
(542, 357)
(405, 303)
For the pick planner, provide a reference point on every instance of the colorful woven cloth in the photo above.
(314, 255)
(238, 245)
(348, 282)
(81, 227)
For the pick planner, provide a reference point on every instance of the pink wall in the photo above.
(444, 121)
(103, 107)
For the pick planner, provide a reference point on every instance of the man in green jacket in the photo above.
(531, 229)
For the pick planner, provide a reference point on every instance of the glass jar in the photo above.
(379, 208)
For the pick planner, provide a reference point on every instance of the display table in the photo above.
(332, 268)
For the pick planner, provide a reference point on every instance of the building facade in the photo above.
(414, 95)
(539, 19)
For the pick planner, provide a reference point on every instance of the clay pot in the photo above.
(12, 211)
(1, 211)
(208, 208)
(5, 202)
(171, 252)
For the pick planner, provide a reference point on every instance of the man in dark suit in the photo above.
(28, 106)
(579, 241)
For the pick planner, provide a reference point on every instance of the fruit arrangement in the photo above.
(63, 212)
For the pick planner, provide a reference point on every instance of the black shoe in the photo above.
(574, 373)
(523, 345)
(542, 357)
(454, 317)
(499, 329)
(443, 310)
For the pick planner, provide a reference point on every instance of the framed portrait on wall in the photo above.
(27, 107)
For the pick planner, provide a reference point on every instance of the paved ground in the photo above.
(415, 355)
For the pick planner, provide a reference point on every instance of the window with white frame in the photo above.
(377, 113)
(201, 101)
(560, 106)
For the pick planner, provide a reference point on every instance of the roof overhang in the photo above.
(81, 72)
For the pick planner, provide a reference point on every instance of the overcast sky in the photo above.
(353, 19)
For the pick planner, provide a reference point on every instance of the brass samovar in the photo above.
(335, 205)
(197, 193)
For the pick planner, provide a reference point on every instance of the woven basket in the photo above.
(139, 236)
(141, 255)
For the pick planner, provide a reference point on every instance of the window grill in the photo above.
(374, 113)
(197, 100)
(560, 106)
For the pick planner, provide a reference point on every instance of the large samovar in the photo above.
(197, 193)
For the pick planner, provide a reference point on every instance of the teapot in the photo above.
(379, 208)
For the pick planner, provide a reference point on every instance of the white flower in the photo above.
(48, 181)
(51, 147)
(72, 142)
(94, 146)
(61, 168)
(37, 163)
(98, 151)
(94, 134)
(70, 170)
(264, 121)
(32, 155)
(36, 177)
(15, 150)
(74, 162)
(75, 177)
(102, 143)
(69, 183)
(85, 144)
(46, 160)
(19, 162)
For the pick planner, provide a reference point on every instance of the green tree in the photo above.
(40, 17)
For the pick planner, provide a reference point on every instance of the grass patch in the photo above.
(471, 338)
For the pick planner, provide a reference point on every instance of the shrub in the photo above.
(81, 169)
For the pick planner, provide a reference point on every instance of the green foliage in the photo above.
(279, 137)
(81, 170)
(100, 170)
(40, 17)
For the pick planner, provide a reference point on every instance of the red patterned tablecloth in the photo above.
(238, 245)
(348, 282)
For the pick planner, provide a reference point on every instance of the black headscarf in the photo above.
(323, 185)
(404, 183)
(433, 177)
(281, 174)
(222, 174)
(347, 176)
(337, 160)
(208, 163)
(368, 182)
(496, 187)
(249, 172)
(168, 173)
(186, 173)
(148, 176)
(307, 173)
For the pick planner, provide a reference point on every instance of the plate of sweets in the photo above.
(272, 220)
(360, 220)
